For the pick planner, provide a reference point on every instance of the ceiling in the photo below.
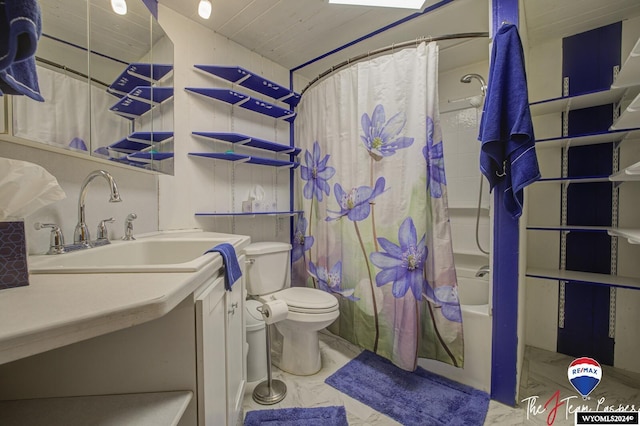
(293, 32)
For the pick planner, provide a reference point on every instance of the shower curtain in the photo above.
(375, 230)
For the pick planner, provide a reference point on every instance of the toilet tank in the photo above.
(268, 267)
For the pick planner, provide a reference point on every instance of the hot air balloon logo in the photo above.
(584, 374)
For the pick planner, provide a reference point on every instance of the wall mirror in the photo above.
(107, 80)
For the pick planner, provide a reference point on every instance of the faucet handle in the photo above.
(56, 239)
(128, 227)
(102, 229)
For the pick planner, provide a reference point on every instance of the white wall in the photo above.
(204, 185)
(138, 190)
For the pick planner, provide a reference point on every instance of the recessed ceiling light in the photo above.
(204, 9)
(119, 6)
(403, 4)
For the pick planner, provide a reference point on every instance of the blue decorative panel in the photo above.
(13, 255)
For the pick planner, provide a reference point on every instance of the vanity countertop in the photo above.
(55, 310)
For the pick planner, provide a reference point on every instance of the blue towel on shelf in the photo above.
(230, 260)
(506, 131)
(20, 29)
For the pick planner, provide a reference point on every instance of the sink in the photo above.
(171, 253)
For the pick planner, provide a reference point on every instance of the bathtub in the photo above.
(474, 294)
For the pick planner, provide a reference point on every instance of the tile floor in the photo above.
(544, 373)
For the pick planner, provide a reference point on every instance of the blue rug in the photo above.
(417, 398)
(319, 416)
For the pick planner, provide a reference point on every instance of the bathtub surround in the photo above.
(318, 416)
(412, 398)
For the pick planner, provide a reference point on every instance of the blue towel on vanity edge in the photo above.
(230, 260)
(20, 29)
(506, 130)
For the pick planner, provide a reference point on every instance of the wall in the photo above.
(138, 190)
(205, 185)
(545, 69)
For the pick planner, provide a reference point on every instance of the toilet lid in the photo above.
(307, 300)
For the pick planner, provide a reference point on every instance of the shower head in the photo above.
(468, 77)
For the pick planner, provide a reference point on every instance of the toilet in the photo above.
(310, 310)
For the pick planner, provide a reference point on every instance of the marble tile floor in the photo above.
(543, 374)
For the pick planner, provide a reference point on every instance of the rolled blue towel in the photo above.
(231, 265)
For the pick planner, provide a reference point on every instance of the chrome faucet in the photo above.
(81, 234)
(484, 270)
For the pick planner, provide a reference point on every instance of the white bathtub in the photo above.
(476, 321)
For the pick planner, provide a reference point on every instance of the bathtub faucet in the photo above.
(484, 270)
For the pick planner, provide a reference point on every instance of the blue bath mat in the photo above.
(412, 398)
(318, 416)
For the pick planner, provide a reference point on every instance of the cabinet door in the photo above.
(211, 356)
(236, 360)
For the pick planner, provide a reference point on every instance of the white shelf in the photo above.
(569, 180)
(569, 228)
(592, 139)
(250, 214)
(585, 277)
(587, 100)
(142, 409)
(629, 74)
(630, 117)
(629, 174)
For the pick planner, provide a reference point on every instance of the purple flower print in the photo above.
(447, 297)
(331, 282)
(355, 203)
(382, 139)
(434, 155)
(402, 264)
(300, 242)
(316, 173)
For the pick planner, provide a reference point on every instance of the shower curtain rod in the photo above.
(392, 47)
(67, 69)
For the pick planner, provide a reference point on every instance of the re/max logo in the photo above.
(581, 370)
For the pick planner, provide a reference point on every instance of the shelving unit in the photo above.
(245, 78)
(237, 138)
(141, 100)
(231, 156)
(139, 74)
(244, 101)
(626, 127)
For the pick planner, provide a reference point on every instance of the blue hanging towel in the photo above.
(506, 131)
(231, 265)
(20, 29)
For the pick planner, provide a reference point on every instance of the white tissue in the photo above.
(275, 311)
(24, 188)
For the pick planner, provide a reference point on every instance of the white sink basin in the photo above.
(155, 254)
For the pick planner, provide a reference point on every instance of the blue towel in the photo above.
(20, 78)
(230, 260)
(21, 26)
(506, 130)
(20, 29)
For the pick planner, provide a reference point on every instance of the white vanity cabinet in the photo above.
(186, 367)
(221, 360)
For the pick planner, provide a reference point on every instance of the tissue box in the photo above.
(13, 255)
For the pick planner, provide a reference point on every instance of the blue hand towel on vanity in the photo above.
(506, 130)
(20, 29)
(230, 260)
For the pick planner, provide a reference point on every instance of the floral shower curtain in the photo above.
(375, 230)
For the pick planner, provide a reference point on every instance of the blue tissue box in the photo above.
(13, 255)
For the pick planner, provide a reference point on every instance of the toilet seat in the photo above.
(307, 300)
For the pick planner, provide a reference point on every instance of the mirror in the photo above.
(107, 80)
